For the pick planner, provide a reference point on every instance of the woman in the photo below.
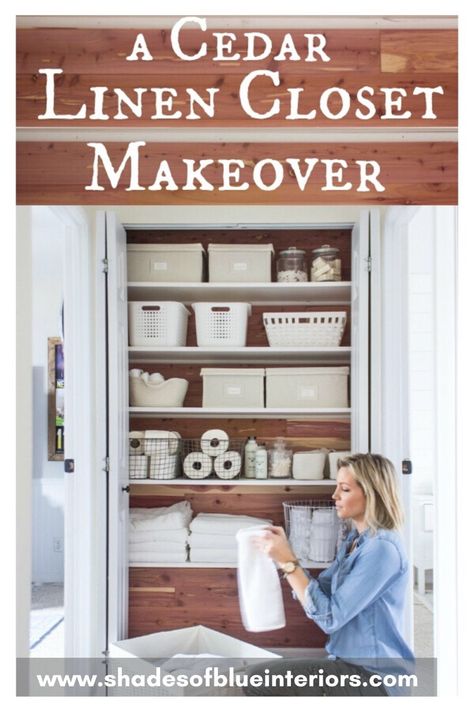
(359, 600)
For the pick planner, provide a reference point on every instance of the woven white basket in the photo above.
(306, 328)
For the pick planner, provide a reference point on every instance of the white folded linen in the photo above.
(260, 595)
(207, 540)
(148, 557)
(224, 523)
(178, 535)
(212, 555)
(169, 517)
(156, 547)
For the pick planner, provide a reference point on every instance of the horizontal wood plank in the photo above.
(421, 52)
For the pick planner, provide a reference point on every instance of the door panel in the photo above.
(360, 335)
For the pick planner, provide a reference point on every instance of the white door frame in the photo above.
(80, 487)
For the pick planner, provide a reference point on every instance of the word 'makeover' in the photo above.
(225, 174)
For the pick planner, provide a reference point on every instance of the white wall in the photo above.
(48, 477)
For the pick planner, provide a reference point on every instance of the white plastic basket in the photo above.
(306, 328)
(221, 324)
(157, 323)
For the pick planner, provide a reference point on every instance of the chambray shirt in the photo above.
(359, 600)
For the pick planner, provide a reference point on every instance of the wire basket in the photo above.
(155, 457)
(306, 328)
(313, 529)
(210, 458)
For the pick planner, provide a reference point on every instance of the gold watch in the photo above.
(289, 567)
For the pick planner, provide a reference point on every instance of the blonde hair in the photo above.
(377, 478)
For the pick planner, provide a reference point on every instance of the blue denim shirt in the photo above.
(359, 600)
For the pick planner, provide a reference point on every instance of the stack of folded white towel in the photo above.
(159, 535)
(212, 538)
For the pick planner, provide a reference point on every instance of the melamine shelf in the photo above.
(337, 293)
(334, 413)
(234, 482)
(189, 564)
(249, 354)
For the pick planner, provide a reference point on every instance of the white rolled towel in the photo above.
(197, 465)
(214, 442)
(224, 523)
(323, 535)
(260, 594)
(228, 465)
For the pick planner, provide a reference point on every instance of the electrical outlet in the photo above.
(58, 545)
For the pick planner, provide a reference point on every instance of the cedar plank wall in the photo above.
(162, 599)
(413, 173)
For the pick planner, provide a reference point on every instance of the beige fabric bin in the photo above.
(240, 262)
(165, 262)
(307, 387)
(232, 387)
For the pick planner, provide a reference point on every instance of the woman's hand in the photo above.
(274, 543)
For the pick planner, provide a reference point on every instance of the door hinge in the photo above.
(407, 466)
(107, 464)
(368, 264)
(69, 466)
(105, 265)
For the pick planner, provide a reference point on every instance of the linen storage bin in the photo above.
(307, 387)
(165, 262)
(157, 323)
(232, 387)
(333, 460)
(221, 324)
(309, 465)
(240, 262)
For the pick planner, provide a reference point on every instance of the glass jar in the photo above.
(280, 460)
(326, 264)
(291, 265)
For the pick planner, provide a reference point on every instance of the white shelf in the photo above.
(309, 565)
(234, 482)
(245, 413)
(337, 293)
(292, 354)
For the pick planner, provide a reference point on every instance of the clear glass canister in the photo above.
(326, 264)
(291, 265)
(280, 460)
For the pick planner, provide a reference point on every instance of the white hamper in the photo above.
(165, 262)
(307, 387)
(221, 324)
(232, 387)
(240, 262)
(157, 323)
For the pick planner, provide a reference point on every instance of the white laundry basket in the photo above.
(157, 323)
(221, 324)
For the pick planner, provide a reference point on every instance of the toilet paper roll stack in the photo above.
(213, 457)
(197, 465)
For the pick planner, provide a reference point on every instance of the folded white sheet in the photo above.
(170, 517)
(207, 540)
(156, 547)
(178, 535)
(148, 557)
(260, 595)
(212, 555)
(227, 524)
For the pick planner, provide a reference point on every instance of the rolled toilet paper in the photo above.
(228, 465)
(197, 465)
(161, 442)
(135, 442)
(137, 466)
(214, 442)
(163, 466)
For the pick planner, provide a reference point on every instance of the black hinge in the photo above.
(368, 262)
(69, 466)
(107, 464)
(105, 265)
(407, 466)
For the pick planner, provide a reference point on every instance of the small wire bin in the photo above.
(203, 458)
(306, 328)
(154, 457)
(313, 529)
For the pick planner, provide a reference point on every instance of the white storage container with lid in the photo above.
(157, 323)
(221, 324)
(232, 387)
(165, 262)
(307, 387)
(240, 262)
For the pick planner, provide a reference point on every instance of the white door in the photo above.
(112, 242)
(360, 440)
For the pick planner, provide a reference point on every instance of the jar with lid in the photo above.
(280, 460)
(326, 264)
(291, 265)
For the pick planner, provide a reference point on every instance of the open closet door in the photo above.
(117, 427)
(360, 431)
